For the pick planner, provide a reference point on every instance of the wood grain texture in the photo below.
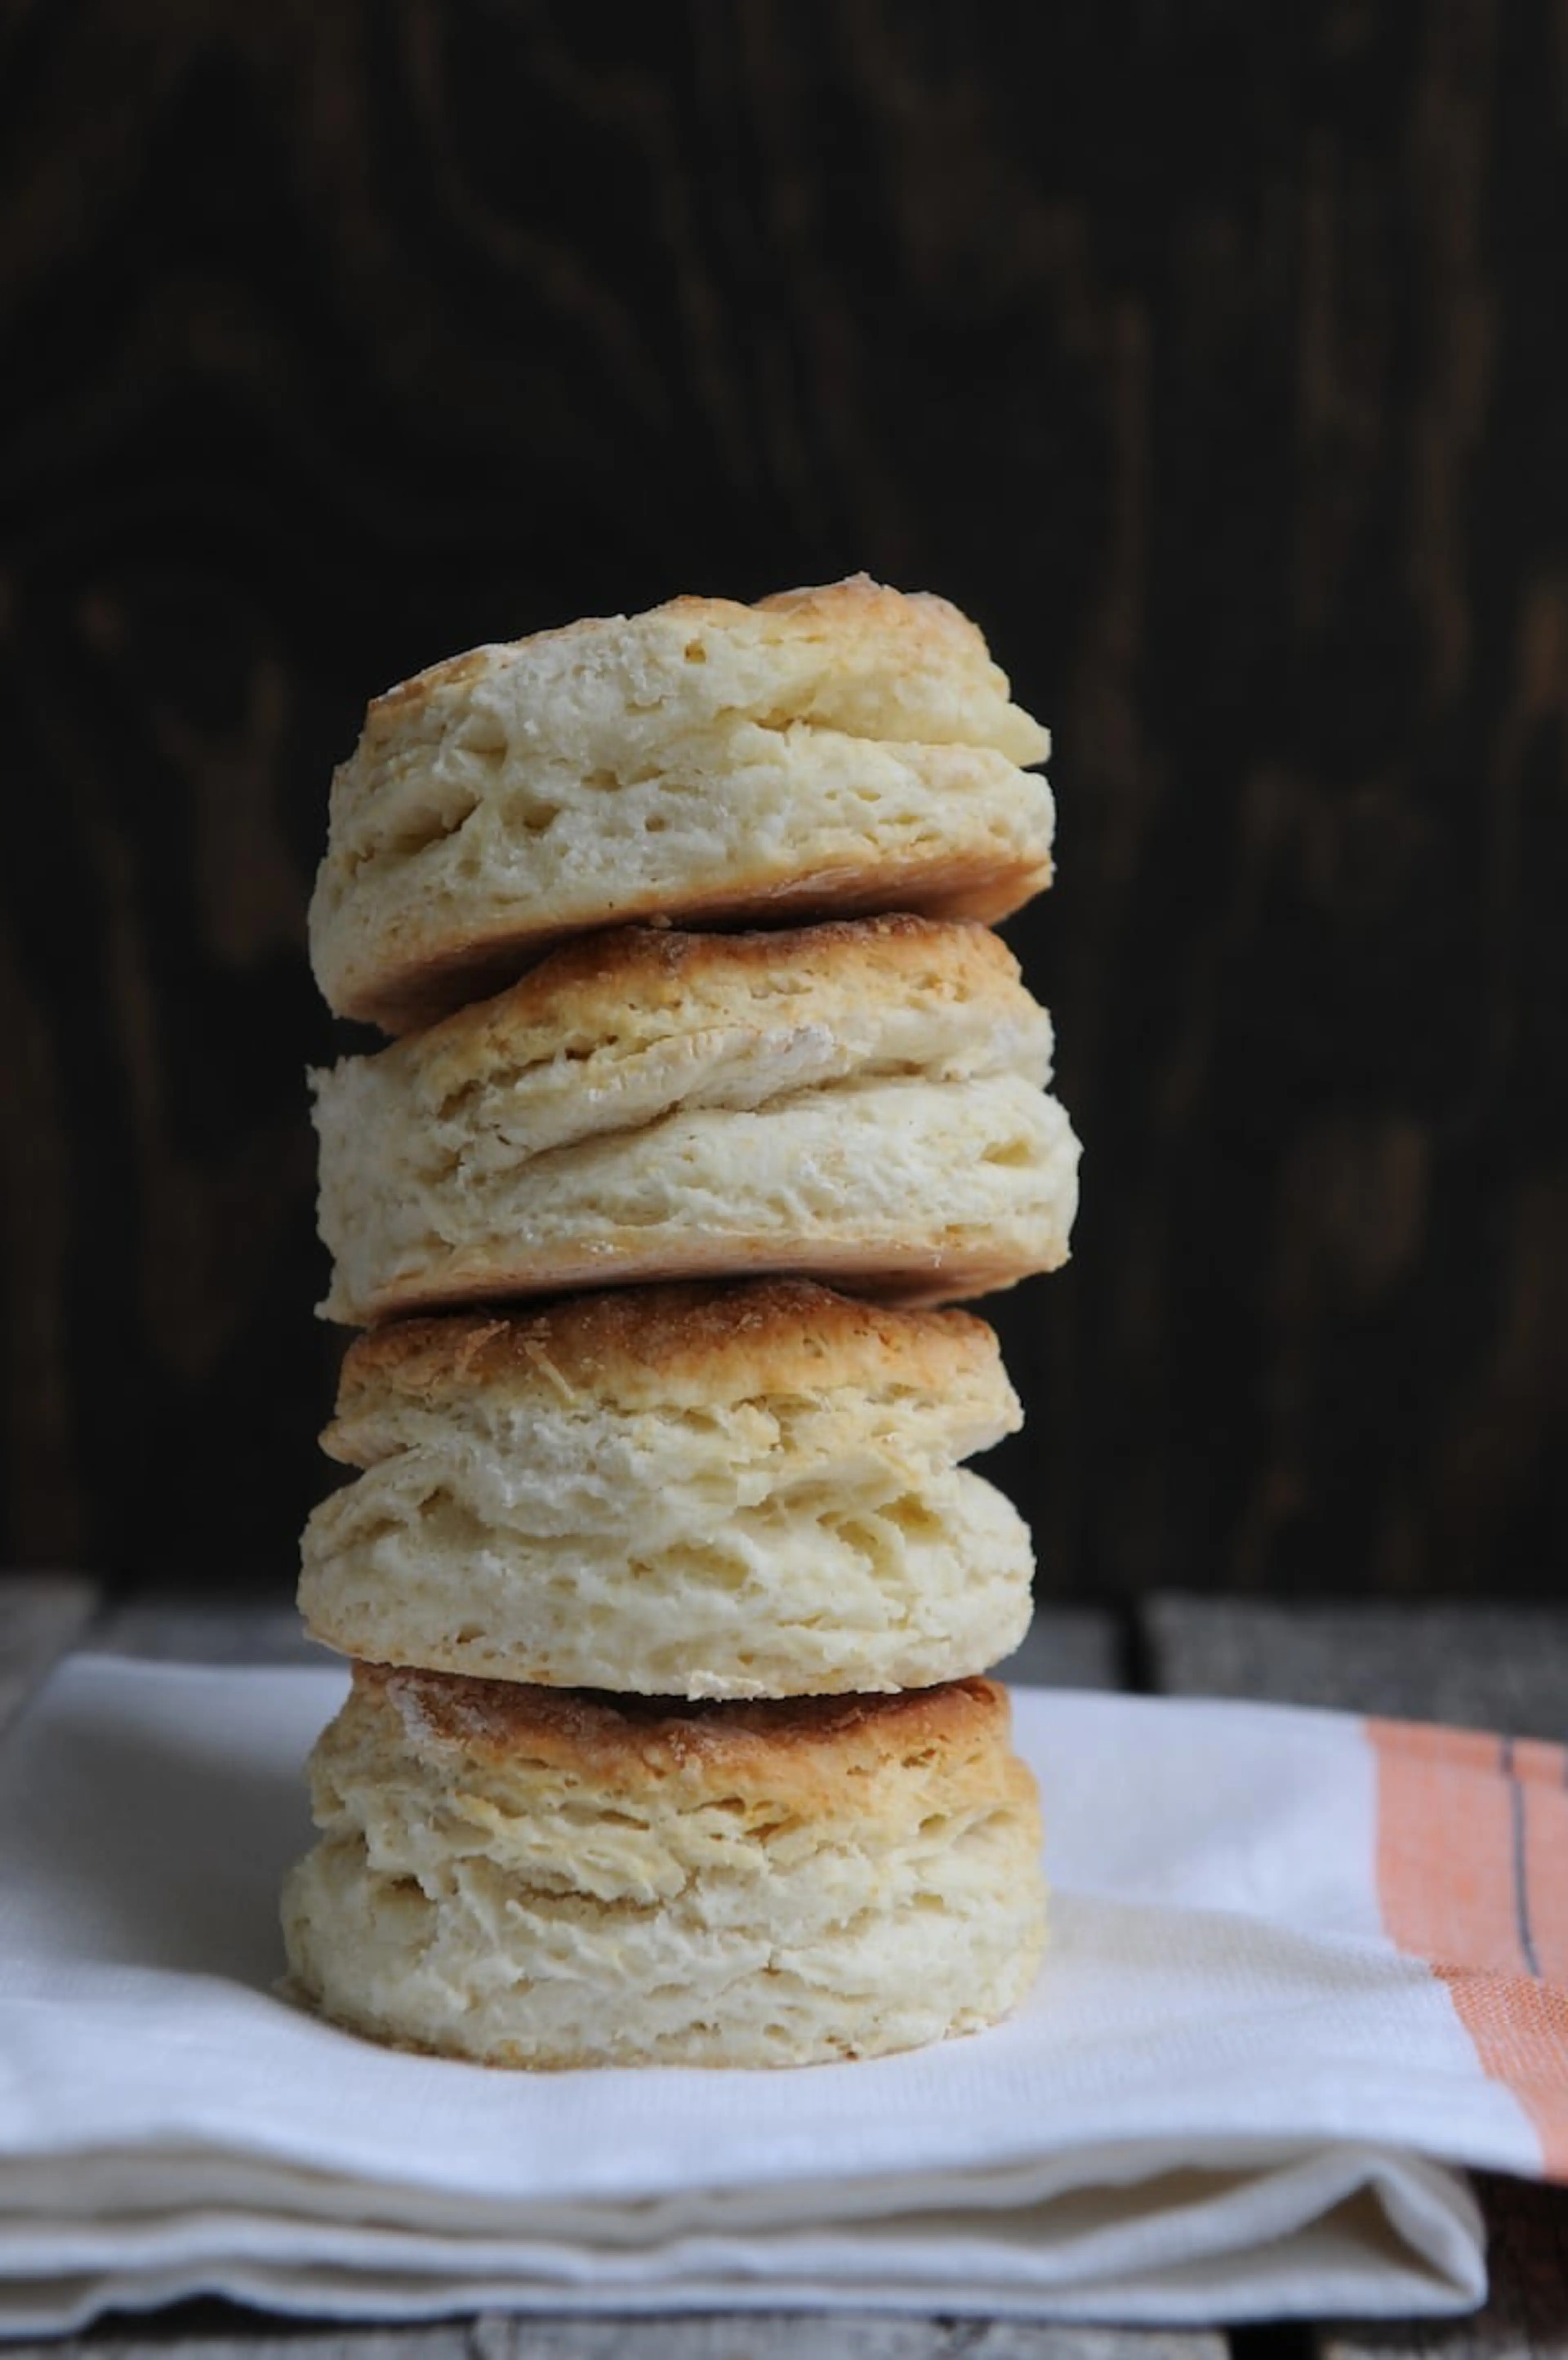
(213, 2332)
(1475, 1666)
(1214, 357)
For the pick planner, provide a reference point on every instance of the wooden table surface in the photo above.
(1490, 1666)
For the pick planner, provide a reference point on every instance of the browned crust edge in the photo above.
(915, 1276)
(414, 985)
(767, 1335)
(608, 1735)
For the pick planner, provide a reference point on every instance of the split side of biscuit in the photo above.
(863, 1102)
(746, 1491)
(536, 1877)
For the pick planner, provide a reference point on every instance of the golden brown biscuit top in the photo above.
(858, 625)
(800, 1749)
(619, 988)
(672, 1344)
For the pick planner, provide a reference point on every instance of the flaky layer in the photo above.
(687, 1492)
(856, 1100)
(839, 750)
(532, 1880)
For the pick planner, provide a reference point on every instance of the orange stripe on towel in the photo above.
(1543, 1812)
(1472, 1877)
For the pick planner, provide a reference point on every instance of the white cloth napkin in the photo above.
(1231, 2094)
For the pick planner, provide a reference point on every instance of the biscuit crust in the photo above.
(797, 1751)
(665, 1347)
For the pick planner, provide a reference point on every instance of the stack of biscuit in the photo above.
(668, 1592)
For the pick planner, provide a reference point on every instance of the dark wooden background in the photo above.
(1215, 357)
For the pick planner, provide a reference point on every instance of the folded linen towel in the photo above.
(1301, 1966)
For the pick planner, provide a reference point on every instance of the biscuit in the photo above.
(861, 1102)
(750, 1490)
(538, 1877)
(827, 752)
